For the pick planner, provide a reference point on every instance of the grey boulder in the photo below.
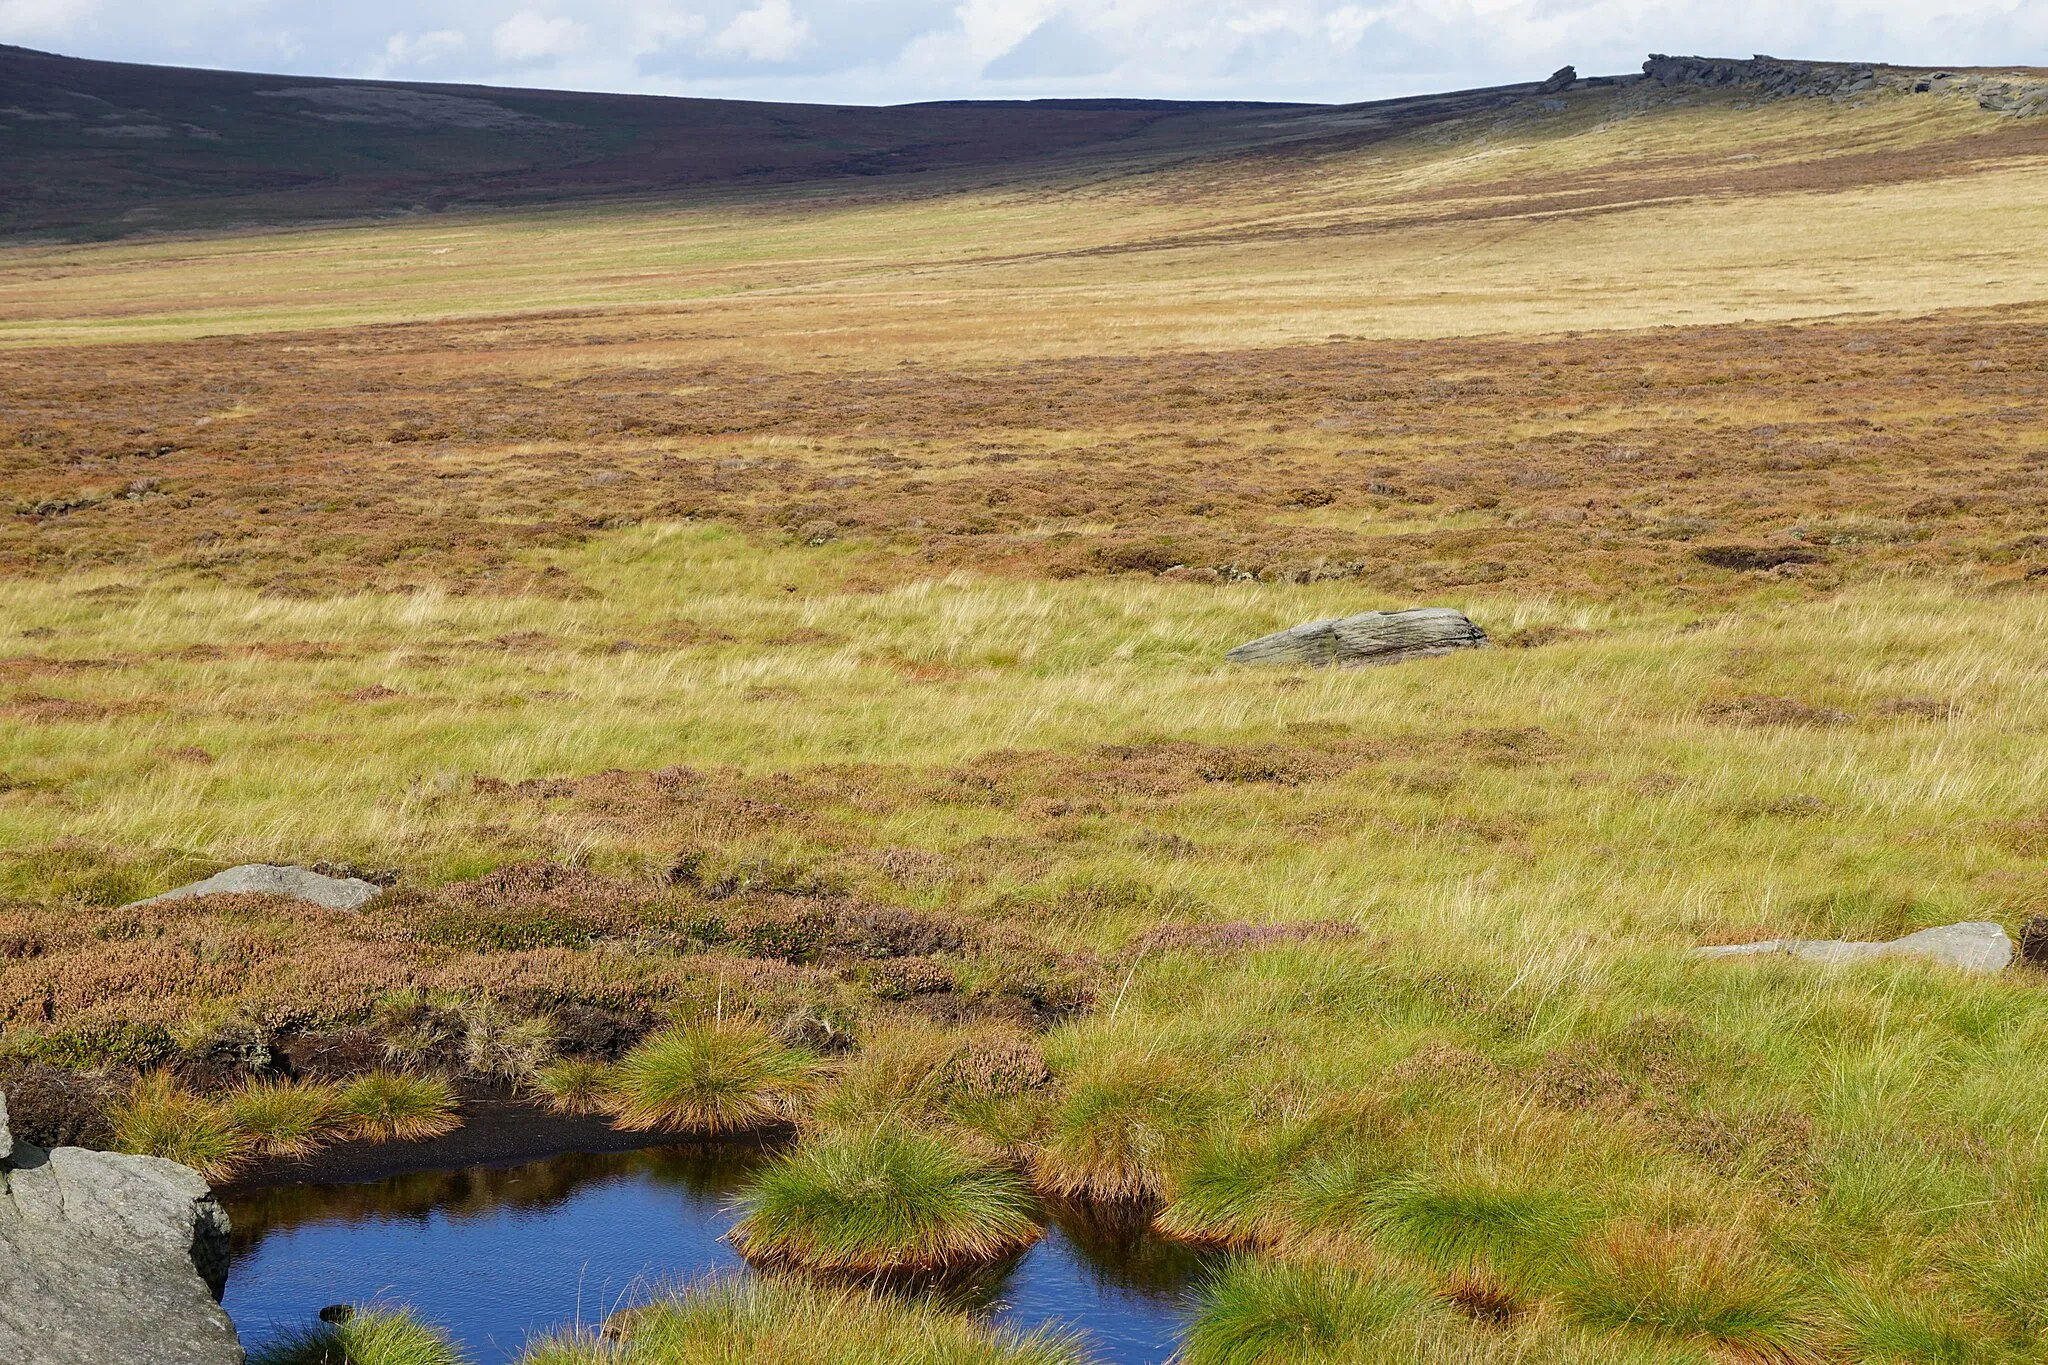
(299, 883)
(1972, 947)
(109, 1258)
(1372, 637)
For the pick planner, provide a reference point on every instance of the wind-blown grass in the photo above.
(884, 1200)
(710, 1078)
(377, 1336)
(781, 1321)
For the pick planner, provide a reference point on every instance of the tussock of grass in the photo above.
(161, 1118)
(783, 1321)
(369, 1337)
(1716, 1289)
(1279, 1313)
(391, 1106)
(1113, 1132)
(287, 1118)
(884, 1200)
(1233, 1191)
(1458, 1223)
(574, 1087)
(718, 1078)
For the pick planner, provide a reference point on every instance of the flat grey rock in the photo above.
(110, 1258)
(1372, 637)
(299, 883)
(6, 1137)
(1973, 947)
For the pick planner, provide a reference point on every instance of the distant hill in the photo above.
(103, 149)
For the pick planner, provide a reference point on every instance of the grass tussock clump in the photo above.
(1707, 1288)
(718, 1078)
(574, 1087)
(287, 1118)
(376, 1337)
(1116, 1128)
(792, 1322)
(1259, 1312)
(389, 1106)
(884, 1200)
(161, 1118)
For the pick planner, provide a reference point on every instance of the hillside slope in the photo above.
(100, 149)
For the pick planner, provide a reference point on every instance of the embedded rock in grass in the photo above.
(1973, 947)
(1372, 637)
(109, 1258)
(299, 883)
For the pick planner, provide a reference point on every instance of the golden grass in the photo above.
(1384, 972)
(1622, 208)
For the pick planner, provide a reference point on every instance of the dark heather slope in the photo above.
(103, 149)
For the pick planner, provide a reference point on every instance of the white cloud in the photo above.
(531, 37)
(658, 28)
(770, 32)
(43, 18)
(406, 52)
(886, 51)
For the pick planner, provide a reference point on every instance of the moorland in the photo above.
(769, 645)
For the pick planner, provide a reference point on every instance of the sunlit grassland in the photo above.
(1511, 1086)
(1448, 231)
(1642, 812)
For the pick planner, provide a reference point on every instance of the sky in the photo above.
(896, 51)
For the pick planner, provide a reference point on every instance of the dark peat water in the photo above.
(495, 1254)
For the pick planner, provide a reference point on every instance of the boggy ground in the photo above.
(1378, 969)
(1596, 465)
(699, 660)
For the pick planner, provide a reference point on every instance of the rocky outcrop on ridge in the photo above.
(2023, 93)
(108, 1258)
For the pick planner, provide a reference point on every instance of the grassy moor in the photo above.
(763, 637)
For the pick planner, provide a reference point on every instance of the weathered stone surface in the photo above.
(1564, 78)
(6, 1137)
(334, 893)
(1972, 947)
(109, 1259)
(2019, 93)
(1373, 637)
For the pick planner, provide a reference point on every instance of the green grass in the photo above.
(1715, 1288)
(394, 1107)
(884, 1200)
(573, 1087)
(1289, 1313)
(710, 1078)
(370, 1337)
(790, 1322)
(288, 1118)
(160, 1118)
(1512, 1079)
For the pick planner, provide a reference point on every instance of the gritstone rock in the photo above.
(109, 1259)
(303, 884)
(1973, 947)
(1373, 637)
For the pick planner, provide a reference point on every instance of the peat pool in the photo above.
(494, 1254)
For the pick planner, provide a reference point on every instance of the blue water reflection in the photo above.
(495, 1255)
